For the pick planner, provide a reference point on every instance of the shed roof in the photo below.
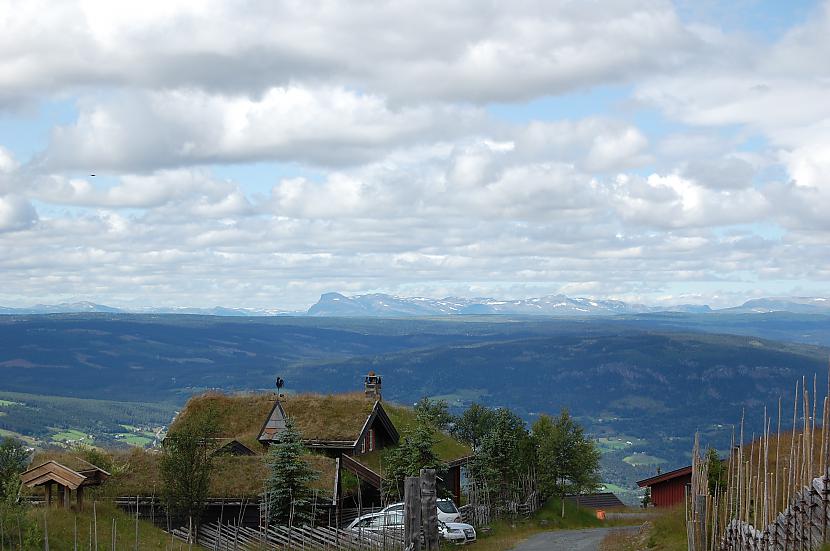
(663, 477)
(53, 472)
(600, 500)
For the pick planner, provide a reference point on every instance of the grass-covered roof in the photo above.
(136, 472)
(318, 417)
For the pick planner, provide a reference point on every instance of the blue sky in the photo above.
(647, 151)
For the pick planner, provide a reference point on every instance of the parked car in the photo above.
(456, 532)
(377, 522)
(447, 511)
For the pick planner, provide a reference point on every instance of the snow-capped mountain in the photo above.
(381, 305)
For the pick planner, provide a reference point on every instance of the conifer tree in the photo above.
(290, 478)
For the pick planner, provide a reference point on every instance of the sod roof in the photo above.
(337, 417)
(136, 472)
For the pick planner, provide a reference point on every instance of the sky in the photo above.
(256, 154)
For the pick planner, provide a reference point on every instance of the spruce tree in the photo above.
(290, 478)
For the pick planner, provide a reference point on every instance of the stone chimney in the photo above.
(372, 386)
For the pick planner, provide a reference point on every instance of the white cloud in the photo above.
(401, 174)
(594, 144)
(16, 213)
(327, 126)
(7, 162)
(450, 50)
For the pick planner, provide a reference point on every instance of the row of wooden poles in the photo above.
(764, 474)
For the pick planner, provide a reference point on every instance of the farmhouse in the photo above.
(345, 433)
(669, 488)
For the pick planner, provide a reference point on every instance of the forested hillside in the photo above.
(642, 386)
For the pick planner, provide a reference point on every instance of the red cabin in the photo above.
(669, 488)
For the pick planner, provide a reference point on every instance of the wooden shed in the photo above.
(669, 488)
(67, 480)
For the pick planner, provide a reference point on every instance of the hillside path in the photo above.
(569, 540)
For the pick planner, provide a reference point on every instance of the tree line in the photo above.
(553, 450)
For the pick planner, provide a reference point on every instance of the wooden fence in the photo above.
(219, 537)
(773, 492)
(802, 526)
(484, 505)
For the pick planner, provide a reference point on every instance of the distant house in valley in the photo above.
(669, 488)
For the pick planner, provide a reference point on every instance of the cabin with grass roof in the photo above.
(350, 430)
(346, 424)
(346, 436)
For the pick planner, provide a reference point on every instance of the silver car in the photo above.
(377, 522)
(447, 511)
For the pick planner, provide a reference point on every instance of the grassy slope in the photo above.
(61, 525)
(669, 531)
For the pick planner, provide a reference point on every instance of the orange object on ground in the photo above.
(600, 514)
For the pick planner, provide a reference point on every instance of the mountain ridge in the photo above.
(379, 305)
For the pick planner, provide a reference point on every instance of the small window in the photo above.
(368, 443)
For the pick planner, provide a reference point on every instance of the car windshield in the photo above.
(447, 507)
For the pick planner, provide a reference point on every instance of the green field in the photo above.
(71, 435)
(615, 443)
(7, 403)
(27, 439)
(639, 458)
(140, 440)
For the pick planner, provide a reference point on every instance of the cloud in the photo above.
(161, 188)
(324, 126)
(413, 51)
(595, 144)
(706, 168)
(16, 213)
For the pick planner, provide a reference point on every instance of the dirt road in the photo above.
(568, 540)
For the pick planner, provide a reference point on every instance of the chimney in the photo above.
(371, 386)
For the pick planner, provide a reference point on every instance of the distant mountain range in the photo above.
(380, 305)
(91, 307)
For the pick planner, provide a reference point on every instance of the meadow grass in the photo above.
(61, 524)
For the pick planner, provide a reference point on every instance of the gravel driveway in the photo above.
(568, 540)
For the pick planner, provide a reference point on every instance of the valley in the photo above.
(641, 385)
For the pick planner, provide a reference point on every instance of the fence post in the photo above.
(429, 509)
(700, 517)
(412, 513)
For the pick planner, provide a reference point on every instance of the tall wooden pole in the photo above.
(777, 457)
(412, 513)
(429, 509)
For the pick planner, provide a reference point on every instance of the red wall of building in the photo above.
(670, 492)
